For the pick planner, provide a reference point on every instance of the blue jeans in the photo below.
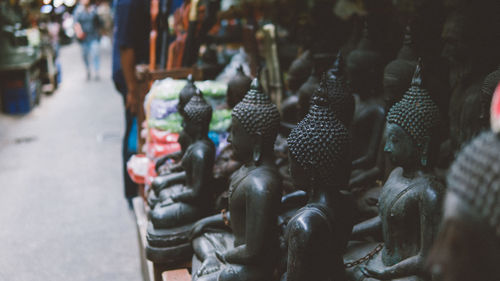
(90, 51)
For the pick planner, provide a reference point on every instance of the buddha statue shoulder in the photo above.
(193, 200)
(410, 201)
(250, 250)
(468, 245)
(319, 153)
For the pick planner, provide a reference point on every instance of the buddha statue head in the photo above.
(197, 116)
(306, 91)
(411, 129)
(468, 245)
(255, 124)
(319, 147)
(237, 87)
(186, 94)
(299, 71)
(339, 97)
(399, 72)
(489, 86)
(364, 66)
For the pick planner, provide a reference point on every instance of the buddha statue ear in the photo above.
(257, 148)
(424, 150)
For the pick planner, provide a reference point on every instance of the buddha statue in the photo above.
(319, 152)
(364, 72)
(299, 71)
(194, 200)
(305, 93)
(468, 245)
(410, 201)
(237, 87)
(250, 252)
(399, 72)
(186, 93)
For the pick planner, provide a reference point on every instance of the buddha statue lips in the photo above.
(410, 201)
(250, 252)
(319, 152)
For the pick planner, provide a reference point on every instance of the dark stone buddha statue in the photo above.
(250, 252)
(364, 72)
(186, 93)
(193, 200)
(237, 87)
(306, 91)
(410, 201)
(319, 152)
(299, 71)
(468, 245)
(399, 72)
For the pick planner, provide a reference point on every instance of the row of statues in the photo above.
(324, 238)
(367, 157)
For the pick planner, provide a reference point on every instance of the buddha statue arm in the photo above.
(162, 182)
(377, 129)
(429, 210)
(174, 155)
(371, 227)
(201, 170)
(259, 217)
(213, 221)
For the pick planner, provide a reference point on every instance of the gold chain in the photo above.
(365, 258)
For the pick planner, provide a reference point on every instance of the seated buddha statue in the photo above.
(186, 93)
(250, 250)
(319, 153)
(186, 196)
(364, 67)
(192, 202)
(468, 245)
(410, 201)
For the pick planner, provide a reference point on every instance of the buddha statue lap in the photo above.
(250, 251)
(410, 201)
(172, 218)
(468, 245)
(316, 236)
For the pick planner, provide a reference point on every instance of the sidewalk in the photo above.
(63, 215)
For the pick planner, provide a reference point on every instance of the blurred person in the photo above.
(87, 25)
(130, 48)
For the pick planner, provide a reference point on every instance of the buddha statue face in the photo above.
(255, 125)
(400, 147)
(411, 127)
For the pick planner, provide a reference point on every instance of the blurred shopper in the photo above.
(130, 48)
(87, 26)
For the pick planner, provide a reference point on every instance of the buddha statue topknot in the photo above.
(340, 98)
(237, 87)
(186, 93)
(251, 251)
(410, 201)
(468, 245)
(319, 152)
(399, 72)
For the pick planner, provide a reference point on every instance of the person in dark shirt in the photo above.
(130, 48)
(87, 25)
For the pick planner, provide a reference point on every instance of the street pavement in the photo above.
(63, 215)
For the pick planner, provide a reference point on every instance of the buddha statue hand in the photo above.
(162, 182)
(373, 272)
(167, 202)
(215, 220)
(210, 265)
